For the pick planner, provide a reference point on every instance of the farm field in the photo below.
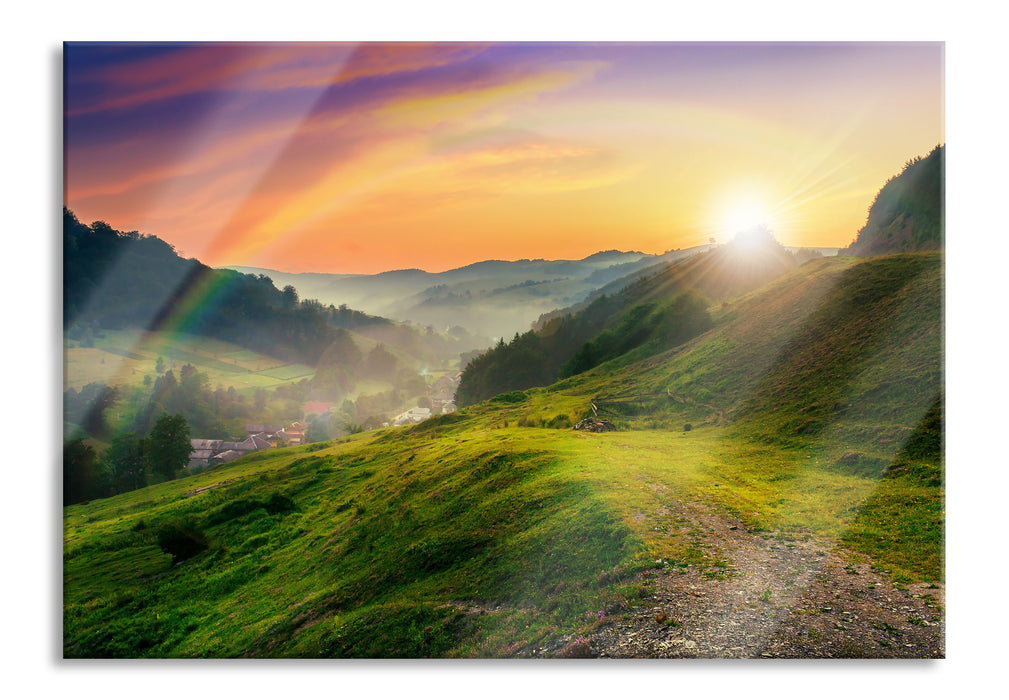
(125, 357)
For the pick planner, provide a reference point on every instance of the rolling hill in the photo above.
(495, 532)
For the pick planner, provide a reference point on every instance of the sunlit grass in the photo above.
(126, 357)
(497, 530)
(396, 528)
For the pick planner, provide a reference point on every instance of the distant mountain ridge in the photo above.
(495, 298)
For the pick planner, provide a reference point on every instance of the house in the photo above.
(316, 407)
(261, 428)
(226, 456)
(256, 442)
(288, 436)
(202, 451)
(199, 458)
(442, 397)
(414, 415)
(445, 383)
(199, 444)
(208, 453)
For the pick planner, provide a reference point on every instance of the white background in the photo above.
(976, 230)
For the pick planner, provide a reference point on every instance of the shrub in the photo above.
(278, 503)
(560, 421)
(510, 397)
(181, 541)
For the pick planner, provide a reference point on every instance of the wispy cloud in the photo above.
(257, 68)
(239, 152)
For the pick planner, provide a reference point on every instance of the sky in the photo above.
(365, 157)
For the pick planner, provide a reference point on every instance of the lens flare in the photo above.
(745, 215)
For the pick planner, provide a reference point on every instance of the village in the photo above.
(208, 453)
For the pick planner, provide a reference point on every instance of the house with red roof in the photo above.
(319, 407)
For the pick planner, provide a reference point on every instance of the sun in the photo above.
(743, 215)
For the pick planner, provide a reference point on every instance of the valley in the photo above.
(492, 298)
(499, 531)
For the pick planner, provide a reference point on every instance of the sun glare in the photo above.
(744, 215)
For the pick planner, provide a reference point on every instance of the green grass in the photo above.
(902, 525)
(125, 357)
(488, 532)
(504, 524)
(540, 527)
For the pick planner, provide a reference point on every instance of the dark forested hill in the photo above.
(663, 308)
(907, 214)
(114, 279)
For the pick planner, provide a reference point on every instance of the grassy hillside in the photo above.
(497, 531)
(838, 342)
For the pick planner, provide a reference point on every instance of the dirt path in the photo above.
(784, 599)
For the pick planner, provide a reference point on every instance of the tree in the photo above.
(100, 399)
(317, 430)
(168, 445)
(380, 363)
(159, 366)
(83, 478)
(289, 297)
(125, 457)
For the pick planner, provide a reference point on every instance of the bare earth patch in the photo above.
(780, 598)
(204, 489)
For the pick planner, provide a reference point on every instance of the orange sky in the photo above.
(371, 157)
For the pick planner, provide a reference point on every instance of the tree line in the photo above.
(209, 412)
(115, 279)
(130, 462)
(573, 343)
